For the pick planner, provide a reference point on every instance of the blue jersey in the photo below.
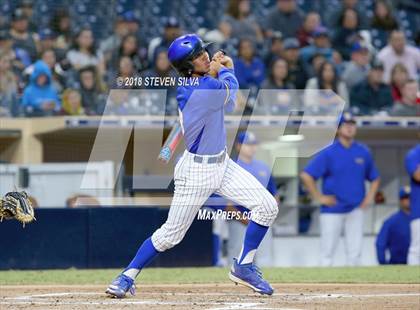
(412, 162)
(343, 171)
(395, 237)
(201, 110)
(262, 173)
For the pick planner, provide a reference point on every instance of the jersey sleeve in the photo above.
(229, 82)
(372, 172)
(412, 161)
(382, 243)
(317, 167)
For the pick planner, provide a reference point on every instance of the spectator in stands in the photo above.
(398, 51)
(321, 45)
(276, 102)
(285, 17)
(334, 18)
(47, 42)
(71, 103)
(346, 33)
(111, 43)
(277, 78)
(27, 8)
(238, 22)
(59, 78)
(312, 21)
(92, 90)
(383, 19)
(126, 70)
(328, 81)
(276, 49)
(297, 74)
(315, 63)
(40, 97)
(161, 66)
(371, 95)
(171, 32)
(249, 68)
(357, 69)
(129, 47)
(8, 86)
(23, 40)
(399, 75)
(61, 26)
(83, 52)
(394, 235)
(409, 105)
(6, 47)
(131, 22)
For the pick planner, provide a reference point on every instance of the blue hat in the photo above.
(46, 33)
(129, 16)
(320, 31)
(357, 47)
(404, 192)
(246, 137)
(346, 117)
(183, 50)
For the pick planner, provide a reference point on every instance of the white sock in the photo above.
(131, 273)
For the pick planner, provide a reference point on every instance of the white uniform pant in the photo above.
(332, 226)
(414, 250)
(264, 256)
(195, 182)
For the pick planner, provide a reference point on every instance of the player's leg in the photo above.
(331, 226)
(353, 236)
(243, 188)
(265, 254)
(414, 249)
(193, 186)
(236, 236)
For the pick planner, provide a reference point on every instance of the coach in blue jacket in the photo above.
(394, 235)
(344, 166)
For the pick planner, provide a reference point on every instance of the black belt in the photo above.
(210, 159)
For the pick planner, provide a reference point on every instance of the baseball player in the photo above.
(344, 166)
(205, 167)
(412, 164)
(395, 233)
(246, 145)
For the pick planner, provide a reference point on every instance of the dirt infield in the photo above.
(216, 297)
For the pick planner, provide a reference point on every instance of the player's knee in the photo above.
(164, 240)
(271, 208)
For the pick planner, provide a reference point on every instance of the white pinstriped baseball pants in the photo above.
(195, 182)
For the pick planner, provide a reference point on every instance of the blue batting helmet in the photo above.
(183, 50)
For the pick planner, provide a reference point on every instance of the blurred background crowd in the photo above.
(63, 57)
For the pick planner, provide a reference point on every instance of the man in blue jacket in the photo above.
(394, 235)
(40, 97)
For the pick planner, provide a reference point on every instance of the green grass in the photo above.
(382, 274)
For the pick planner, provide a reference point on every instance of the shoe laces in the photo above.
(256, 270)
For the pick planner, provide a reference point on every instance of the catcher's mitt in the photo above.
(18, 206)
